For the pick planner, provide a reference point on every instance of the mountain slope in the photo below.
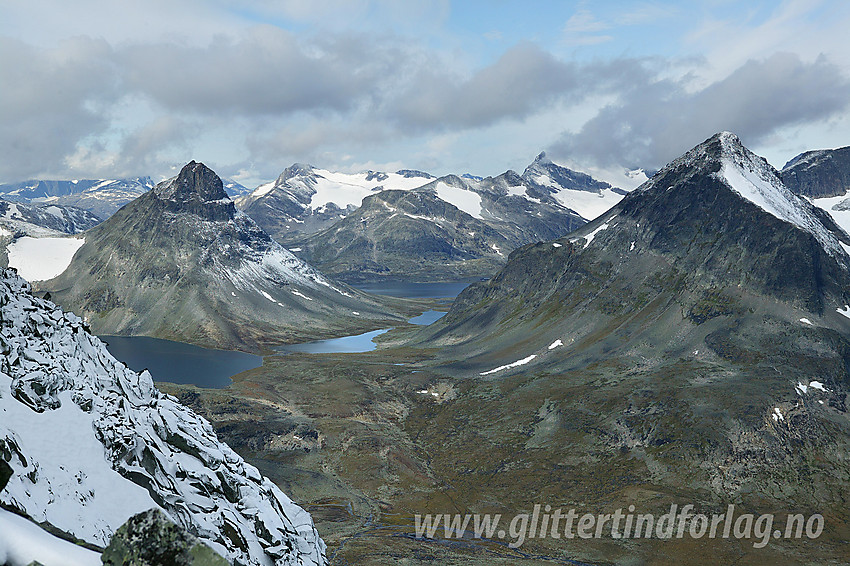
(33, 234)
(411, 234)
(575, 190)
(718, 218)
(181, 262)
(91, 443)
(43, 219)
(819, 173)
(690, 345)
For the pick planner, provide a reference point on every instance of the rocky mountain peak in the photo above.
(724, 157)
(295, 170)
(195, 190)
(195, 181)
(541, 158)
(543, 173)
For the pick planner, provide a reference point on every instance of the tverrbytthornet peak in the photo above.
(182, 262)
(92, 443)
(715, 222)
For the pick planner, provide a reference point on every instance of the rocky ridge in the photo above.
(91, 443)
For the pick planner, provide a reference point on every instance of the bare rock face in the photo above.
(5, 473)
(820, 173)
(196, 190)
(150, 539)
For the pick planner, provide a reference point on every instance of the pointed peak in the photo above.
(295, 170)
(728, 138)
(750, 176)
(541, 158)
(195, 182)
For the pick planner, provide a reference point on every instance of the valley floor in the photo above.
(367, 441)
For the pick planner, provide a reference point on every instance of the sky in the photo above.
(106, 89)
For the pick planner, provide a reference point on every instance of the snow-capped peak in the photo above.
(756, 180)
(753, 179)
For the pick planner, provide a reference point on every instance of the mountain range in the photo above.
(181, 262)
(101, 197)
(689, 343)
(410, 225)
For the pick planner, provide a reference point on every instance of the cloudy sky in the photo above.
(95, 89)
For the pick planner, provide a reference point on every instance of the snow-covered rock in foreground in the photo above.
(22, 542)
(92, 443)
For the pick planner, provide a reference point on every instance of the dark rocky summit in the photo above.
(819, 173)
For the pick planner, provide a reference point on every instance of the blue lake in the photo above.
(354, 344)
(176, 362)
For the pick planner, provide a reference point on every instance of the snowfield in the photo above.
(23, 542)
(467, 201)
(40, 259)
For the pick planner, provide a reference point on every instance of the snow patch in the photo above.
(589, 237)
(555, 344)
(556, 245)
(302, 295)
(845, 311)
(588, 204)
(466, 200)
(777, 415)
(517, 363)
(806, 321)
(40, 259)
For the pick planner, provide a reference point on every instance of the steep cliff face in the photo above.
(91, 443)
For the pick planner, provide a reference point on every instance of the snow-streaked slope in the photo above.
(344, 189)
(575, 190)
(755, 180)
(40, 259)
(589, 205)
(23, 542)
(99, 196)
(92, 442)
(322, 187)
(37, 219)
